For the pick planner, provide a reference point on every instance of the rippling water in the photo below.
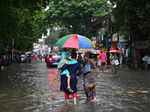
(35, 88)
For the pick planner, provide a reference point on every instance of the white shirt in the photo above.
(145, 58)
(148, 60)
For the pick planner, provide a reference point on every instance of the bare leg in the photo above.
(74, 95)
(75, 100)
(105, 67)
(67, 101)
(94, 93)
(68, 83)
(100, 68)
(86, 90)
(66, 98)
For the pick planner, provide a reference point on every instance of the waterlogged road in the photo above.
(35, 88)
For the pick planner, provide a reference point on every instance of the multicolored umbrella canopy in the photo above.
(74, 41)
(115, 51)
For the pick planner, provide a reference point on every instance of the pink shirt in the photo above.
(103, 57)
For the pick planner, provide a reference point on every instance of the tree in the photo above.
(54, 35)
(78, 16)
(21, 21)
(133, 17)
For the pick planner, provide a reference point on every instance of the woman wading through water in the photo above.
(74, 69)
(89, 78)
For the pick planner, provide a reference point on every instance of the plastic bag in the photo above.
(116, 62)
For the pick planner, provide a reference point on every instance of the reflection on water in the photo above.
(35, 88)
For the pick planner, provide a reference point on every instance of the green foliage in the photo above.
(52, 38)
(132, 16)
(77, 16)
(21, 21)
(55, 35)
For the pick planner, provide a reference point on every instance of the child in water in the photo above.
(65, 72)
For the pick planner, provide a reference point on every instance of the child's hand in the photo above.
(64, 60)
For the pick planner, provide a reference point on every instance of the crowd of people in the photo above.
(83, 65)
(104, 59)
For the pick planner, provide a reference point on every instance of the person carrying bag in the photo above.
(114, 62)
(89, 78)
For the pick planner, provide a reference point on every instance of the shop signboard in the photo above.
(122, 39)
(122, 42)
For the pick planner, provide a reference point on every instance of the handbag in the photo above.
(116, 62)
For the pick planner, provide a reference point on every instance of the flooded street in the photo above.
(35, 88)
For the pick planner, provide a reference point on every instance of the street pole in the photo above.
(13, 42)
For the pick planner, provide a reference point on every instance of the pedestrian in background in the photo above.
(114, 62)
(99, 60)
(103, 60)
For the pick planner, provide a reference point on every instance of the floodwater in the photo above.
(35, 88)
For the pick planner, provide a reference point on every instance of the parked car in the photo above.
(52, 59)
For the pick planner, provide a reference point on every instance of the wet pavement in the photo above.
(35, 88)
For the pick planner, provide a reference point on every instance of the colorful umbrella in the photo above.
(74, 41)
(115, 51)
(98, 52)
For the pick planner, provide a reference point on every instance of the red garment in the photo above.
(74, 95)
(34, 57)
